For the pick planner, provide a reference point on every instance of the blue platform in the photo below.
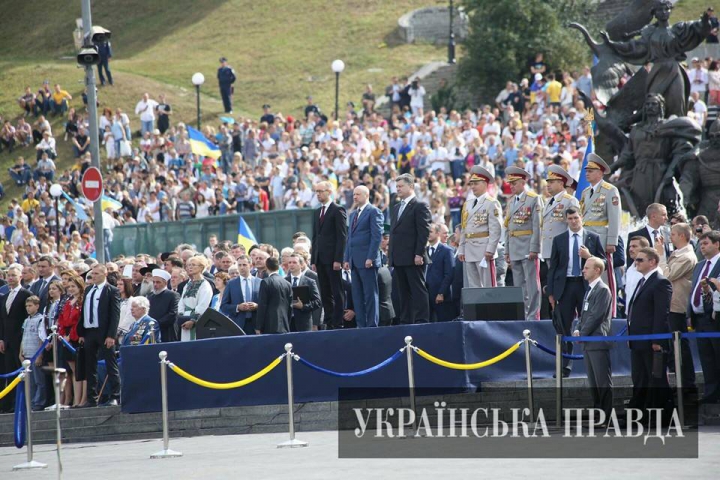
(231, 359)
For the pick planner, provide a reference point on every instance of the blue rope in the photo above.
(34, 357)
(20, 415)
(552, 352)
(377, 367)
(701, 335)
(67, 344)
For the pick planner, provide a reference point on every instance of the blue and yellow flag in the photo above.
(582, 180)
(201, 145)
(109, 202)
(245, 235)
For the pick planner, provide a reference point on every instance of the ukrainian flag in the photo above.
(79, 210)
(245, 235)
(109, 202)
(201, 145)
(582, 180)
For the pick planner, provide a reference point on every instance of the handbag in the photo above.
(125, 149)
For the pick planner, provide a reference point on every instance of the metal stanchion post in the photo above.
(165, 452)
(59, 380)
(30, 464)
(152, 331)
(678, 377)
(54, 334)
(528, 367)
(293, 442)
(558, 380)
(411, 374)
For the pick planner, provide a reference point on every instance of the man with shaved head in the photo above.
(329, 236)
(362, 257)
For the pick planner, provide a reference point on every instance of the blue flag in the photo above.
(245, 235)
(78, 208)
(583, 181)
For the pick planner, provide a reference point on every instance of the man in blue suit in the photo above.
(362, 257)
(239, 301)
(439, 277)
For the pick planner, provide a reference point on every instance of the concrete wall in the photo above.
(432, 24)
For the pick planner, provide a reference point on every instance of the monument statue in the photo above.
(700, 180)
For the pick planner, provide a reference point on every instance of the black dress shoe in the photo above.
(110, 403)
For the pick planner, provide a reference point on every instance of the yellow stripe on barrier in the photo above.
(226, 386)
(10, 387)
(467, 366)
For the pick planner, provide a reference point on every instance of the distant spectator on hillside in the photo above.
(27, 101)
(43, 99)
(417, 94)
(59, 100)
(146, 109)
(164, 110)
(45, 168)
(105, 52)
(46, 145)
(7, 136)
(20, 172)
(81, 142)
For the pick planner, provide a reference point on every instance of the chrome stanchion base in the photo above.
(166, 454)
(294, 443)
(30, 466)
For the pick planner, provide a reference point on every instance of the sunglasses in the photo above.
(639, 260)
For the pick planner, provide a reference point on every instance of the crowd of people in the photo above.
(409, 209)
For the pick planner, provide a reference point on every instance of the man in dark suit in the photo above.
(700, 311)
(362, 257)
(329, 235)
(409, 232)
(439, 277)
(349, 308)
(163, 305)
(301, 319)
(12, 316)
(274, 301)
(596, 321)
(565, 284)
(97, 330)
(240, 299)
(318, 315)
(655, 229)
(387, 311)
(45, 267)
(648, 311)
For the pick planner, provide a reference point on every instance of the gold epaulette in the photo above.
(567, 196)
(608, 185)
(532, 194)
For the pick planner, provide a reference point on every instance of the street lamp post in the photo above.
(337, 66)
(56, 191)
(197, 80)
(451, 39)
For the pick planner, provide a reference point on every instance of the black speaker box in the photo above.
(213, 324)
(499, 303)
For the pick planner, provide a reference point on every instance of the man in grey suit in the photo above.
(595, 321)
(274, 301)
(302, 313)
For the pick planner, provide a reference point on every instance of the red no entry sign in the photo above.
(92, 186)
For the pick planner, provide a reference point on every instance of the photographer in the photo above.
(417, 94)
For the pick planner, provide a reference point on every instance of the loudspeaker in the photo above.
(213, 324)
(499, 303)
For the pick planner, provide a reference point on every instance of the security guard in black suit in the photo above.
(226, 78)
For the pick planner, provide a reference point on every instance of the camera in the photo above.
(88, 56)
(415, 84)
(98, 35)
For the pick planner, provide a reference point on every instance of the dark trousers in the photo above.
(331, 293)
(104, 64)
(11, 363)
(599, 372)
(94, 349)
(648, 391)
(226, 94)
(167, 332)
(545, 309)
(442, 312)
(678, 323)
(709, 352)
(412, 294)
(567, 308)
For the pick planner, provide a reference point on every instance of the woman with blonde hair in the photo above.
(195, 298)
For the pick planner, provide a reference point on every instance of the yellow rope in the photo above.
(226, 386)
(10, 387)
(467, 366)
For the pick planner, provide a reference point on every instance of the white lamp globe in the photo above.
(338, 66)
(198, 79)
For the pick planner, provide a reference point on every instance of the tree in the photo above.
(504, 35)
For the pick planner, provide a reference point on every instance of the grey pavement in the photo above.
(256, 457)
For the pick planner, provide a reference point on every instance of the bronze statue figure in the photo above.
(700, 180)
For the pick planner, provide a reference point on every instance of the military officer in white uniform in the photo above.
(523, 239)
(553, 222)
(481, 231)
(601, 212)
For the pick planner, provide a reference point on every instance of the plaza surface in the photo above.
(256, 457)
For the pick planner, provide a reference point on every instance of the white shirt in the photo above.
(713, 261)
(146, 115)
(580, 234)
(592, 285)
(652, 237)
(93, 322)
(434, 247)
(11, 297)
(632, 278)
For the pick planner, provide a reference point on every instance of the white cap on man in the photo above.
(160, 273)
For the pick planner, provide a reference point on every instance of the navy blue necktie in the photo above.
(576, 257)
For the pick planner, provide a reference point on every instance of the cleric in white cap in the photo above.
(163, 304)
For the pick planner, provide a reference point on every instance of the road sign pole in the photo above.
(94, 135)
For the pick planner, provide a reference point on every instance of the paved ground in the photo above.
(256, 457)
